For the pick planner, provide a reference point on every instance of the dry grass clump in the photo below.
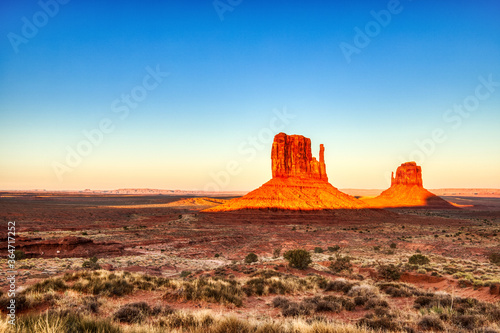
(270, 282)
(313, 305)
(107, 283)
(59, 322)
(214, 289)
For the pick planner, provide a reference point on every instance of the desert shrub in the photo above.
(279, 302)
(299, 258)
(383, 324)
(469, 322)
(185, 274)
(431, 323)
(393, 245)
(418, 259)
(318, 250)
(277, 252)
(396, 289)
(376, 248)
(91, 263)
(341, 263)
(334, 248)
(339, 285)
(389, 272)
(251, 257)
(19, 255)
(132, 313)
(293, 309)
(436, 300)
(364, 290)
(91, 304)
(494, 258)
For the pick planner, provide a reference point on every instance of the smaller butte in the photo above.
(407, 190)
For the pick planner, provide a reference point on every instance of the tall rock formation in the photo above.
(291, 157)
(407, 190)
(299, 182)
(408, 173)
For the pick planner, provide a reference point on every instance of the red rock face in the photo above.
(407, 174)
(291, 157)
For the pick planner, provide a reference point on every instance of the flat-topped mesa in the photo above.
(291, 157)
(407, 174)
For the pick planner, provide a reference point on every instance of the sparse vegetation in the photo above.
(318, 250)
(341, 264)
(251, 257)
(91, 263)
(334, 248)
(418, 259)
(389, 272)
(299, 258)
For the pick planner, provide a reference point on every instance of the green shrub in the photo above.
(389, 272)
(19, 255)
(299, 258)
(418, 259)
(251, 257)
(334, 248)
(495, 258)
(318, 250)
(185, 274)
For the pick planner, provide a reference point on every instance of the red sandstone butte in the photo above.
(291, 157)
(408, 173)
(407, 190)
(299, 182)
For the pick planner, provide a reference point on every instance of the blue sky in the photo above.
(228, 78)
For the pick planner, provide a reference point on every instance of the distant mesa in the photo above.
(299, 182)
(407, 190)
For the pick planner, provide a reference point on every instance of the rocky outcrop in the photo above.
(408, 174)
(291, 157)
(407, 191)
(299, 182)
(67, 247)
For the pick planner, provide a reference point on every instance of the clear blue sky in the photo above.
(230, 69)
